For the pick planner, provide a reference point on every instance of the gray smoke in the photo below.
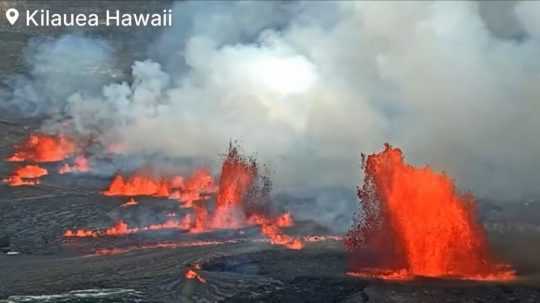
(308, 86)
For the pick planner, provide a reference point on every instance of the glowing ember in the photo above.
(130, 202)
(80, 233)
(165, 245)
(80, 165)
(43, 148)
(192, 273)
(121, 229)
(26, 175)
(415, 223)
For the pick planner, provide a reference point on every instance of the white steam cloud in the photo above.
(309, 86)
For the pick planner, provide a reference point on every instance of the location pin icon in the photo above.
(12, 15)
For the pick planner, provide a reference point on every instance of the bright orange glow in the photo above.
(237, 180)
(130, 202)
(43, 148)
(165, 245)
(121, 229)
(137, 185)
(195, 188)
(192, 274)
(26, 175)
(415, 223)
(80, 233)
(185, 191)
(237, 175)
(272, 229)
(80, 165)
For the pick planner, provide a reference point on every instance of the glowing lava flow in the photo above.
(141, 184)
(415, 223)
(272, 229)
(121, 229)
(43, 148)
(237, 202)
(138, 185)
(26, 175)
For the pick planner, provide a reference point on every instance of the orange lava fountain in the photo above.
(237, 186)
(238, 179)
(43, 148)
(415, 223)
(138, 185)
(26, 175)
(237, 176)
(175, 187)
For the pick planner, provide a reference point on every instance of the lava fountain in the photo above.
(26, 175)
(237, 176)
(415, 223)
(43, 148)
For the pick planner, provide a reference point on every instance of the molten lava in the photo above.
(272, 230)
(193, 274)
(415, 223)
(138, 185)
(141, 184)
(26, 175)
(130, 202)
(237, 181)
(43, 148)
(121, 229)
(237, 202)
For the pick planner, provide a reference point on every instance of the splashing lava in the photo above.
(415, 223)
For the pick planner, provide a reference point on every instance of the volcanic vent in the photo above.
(241, 199)
(415, 223)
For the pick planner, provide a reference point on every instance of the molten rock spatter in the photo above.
(236, 179)
(186, 191)
(192, 273)
(244, 200)
(26, 175)
(43, 148)
(415, 223)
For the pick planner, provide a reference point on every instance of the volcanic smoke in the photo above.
(415, 223)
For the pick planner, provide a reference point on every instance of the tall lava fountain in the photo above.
(415, 223)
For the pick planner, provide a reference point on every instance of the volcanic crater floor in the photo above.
(236, 265)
